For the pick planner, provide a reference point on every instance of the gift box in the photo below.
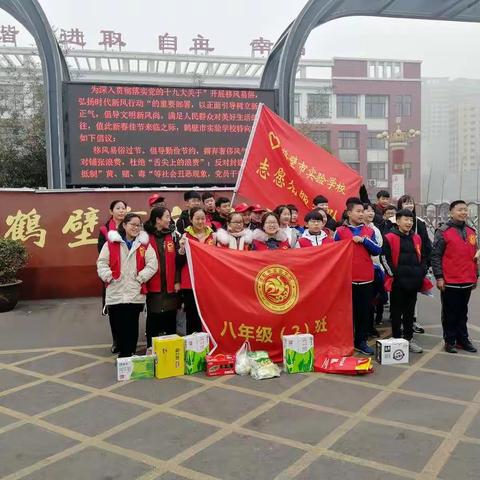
(392, 351)
(133, 368)
(343, 365)
(169, 352)
(197, 347)
(298, 353)
(220, 365)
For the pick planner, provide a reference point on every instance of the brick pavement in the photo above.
(63, 415)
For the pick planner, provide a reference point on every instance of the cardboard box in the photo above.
(298, 353)
(170, 356)
(392, 351)
(197, 347)
(133, 368)
(220, 365)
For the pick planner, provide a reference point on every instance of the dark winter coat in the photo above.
(410, 271)
(183, 222)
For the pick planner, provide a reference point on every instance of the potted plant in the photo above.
(13, 257)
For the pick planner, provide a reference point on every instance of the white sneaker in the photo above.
(415, 347)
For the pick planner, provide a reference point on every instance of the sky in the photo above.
(447, 49)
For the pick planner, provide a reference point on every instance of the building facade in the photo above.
(341, 103)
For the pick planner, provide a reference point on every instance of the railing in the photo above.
(436, 214)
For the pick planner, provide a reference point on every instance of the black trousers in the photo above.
(164, 323)
(455, 314)
(125, 317)
(361, 301)
(194, 324)
(402, 308)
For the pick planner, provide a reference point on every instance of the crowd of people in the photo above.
(145, 263)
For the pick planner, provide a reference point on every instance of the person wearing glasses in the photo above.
(126, 262)
(237, 236)
(270, 236)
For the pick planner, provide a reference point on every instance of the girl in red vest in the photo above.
(162, 296)
(405, 267)
(269, 236)
(237, 236)
(314, 235)
(365, 246)
(126, 262)
(456, 270)
(118, 210)
(196, 232)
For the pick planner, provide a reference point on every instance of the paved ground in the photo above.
(63, 415)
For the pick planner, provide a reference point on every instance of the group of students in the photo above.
(146, 263)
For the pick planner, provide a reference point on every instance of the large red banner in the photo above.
(261, 296)
(283, 166)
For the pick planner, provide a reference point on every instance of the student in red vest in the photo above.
(455, 267)
(366, 246)
(118, 210)
(405, 266)
(196, 232)
(126, 262)
(236, 236)
(270, 236)
(314, 235)
(163, 287)
(208, 199)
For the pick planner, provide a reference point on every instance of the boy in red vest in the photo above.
(362, 270)
(406, 266)
(455, 268)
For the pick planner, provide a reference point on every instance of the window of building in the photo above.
(318, 105)
(347, 106)
(407, 170)
(403, 105)
(377, 171)
(320, 137)
(374, 143)
(375, 106)
(296, 105)
(348, 148)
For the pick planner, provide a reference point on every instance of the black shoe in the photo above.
(114, 349)
(450, 348)
(467, 346)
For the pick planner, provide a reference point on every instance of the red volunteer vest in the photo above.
(185, 281)
(362, 265)
(115, 261)
(259, 245)
(155, 283)
(394, 241)
(457, 262)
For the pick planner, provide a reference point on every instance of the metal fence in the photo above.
(436, 214)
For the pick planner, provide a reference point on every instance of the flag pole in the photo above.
(247, 150)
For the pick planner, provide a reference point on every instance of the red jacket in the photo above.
(458, 257)
(362, 265)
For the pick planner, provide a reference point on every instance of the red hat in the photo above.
(155, 198)
(242, 208)
(257, 208)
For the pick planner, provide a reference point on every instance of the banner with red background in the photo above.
(283, 166)
(261, 296)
